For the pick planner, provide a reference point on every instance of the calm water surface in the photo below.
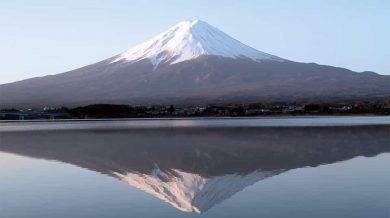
(295, 167)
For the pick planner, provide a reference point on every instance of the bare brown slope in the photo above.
(207, 79)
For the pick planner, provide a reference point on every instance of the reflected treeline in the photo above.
(218, 162)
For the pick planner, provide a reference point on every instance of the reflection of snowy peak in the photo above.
(191, 192)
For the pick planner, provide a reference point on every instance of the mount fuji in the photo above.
(189, 40)
(190, 63)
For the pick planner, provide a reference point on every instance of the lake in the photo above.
(230, 167)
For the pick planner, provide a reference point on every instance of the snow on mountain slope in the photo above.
(188, 40)
(190, 192)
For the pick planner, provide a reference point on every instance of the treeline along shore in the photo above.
(104, 111)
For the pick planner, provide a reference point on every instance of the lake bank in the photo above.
(118, 124)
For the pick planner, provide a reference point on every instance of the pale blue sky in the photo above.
(43, 37)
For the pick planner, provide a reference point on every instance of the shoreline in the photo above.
(202, 123)
(195, 118)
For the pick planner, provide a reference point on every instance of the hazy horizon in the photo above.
(43, 38)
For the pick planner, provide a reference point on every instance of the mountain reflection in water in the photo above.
(194, 169)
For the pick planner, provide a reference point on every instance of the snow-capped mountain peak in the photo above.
(188, 40)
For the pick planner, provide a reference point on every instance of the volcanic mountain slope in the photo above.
(193, 62)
